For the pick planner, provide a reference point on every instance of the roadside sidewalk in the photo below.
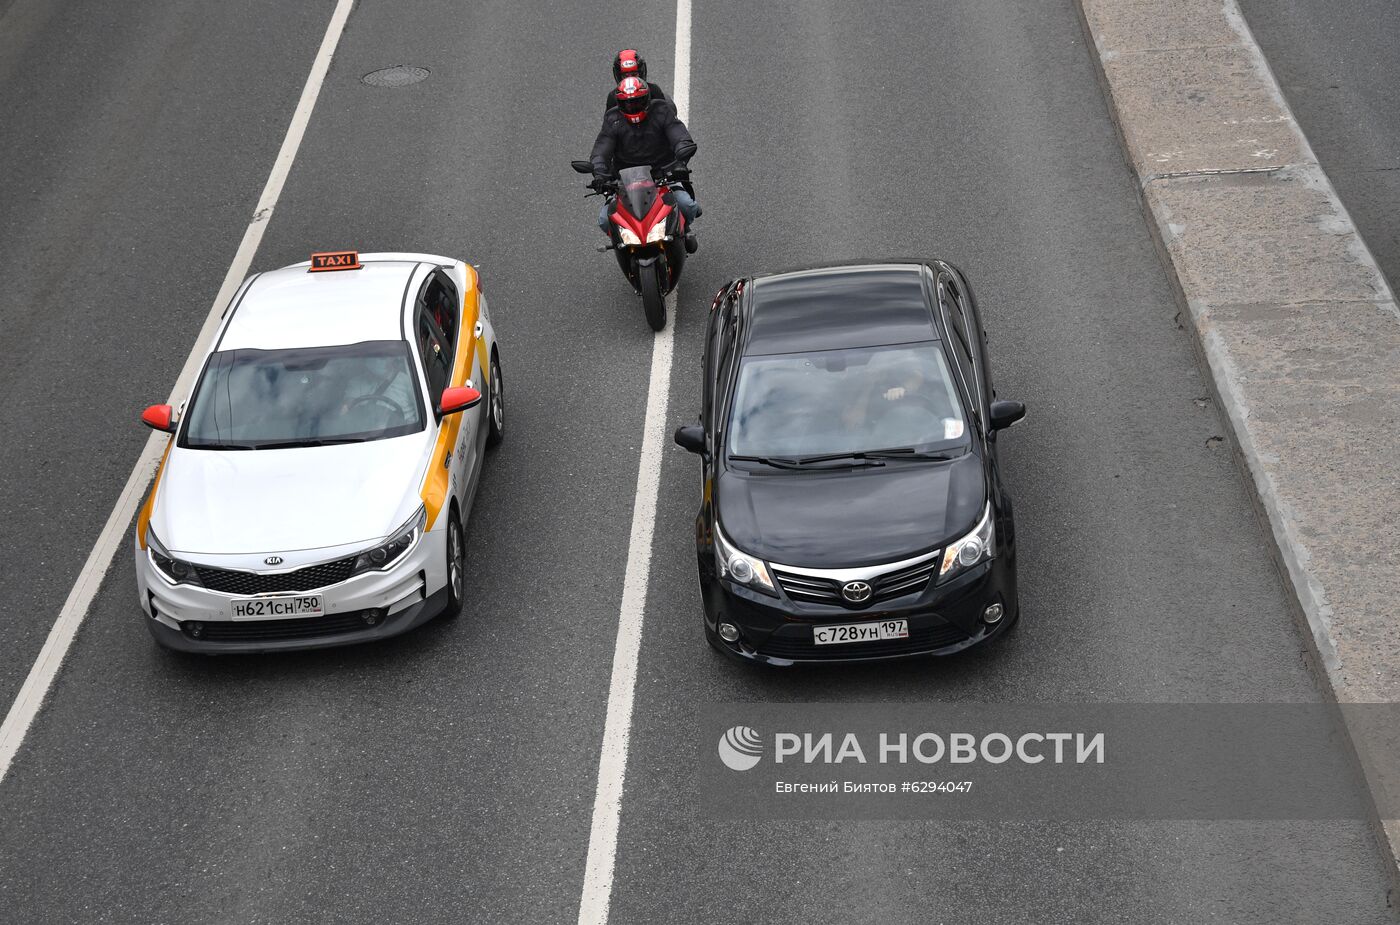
(1297, 325)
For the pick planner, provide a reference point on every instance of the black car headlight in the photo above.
(386, 554)
(740, 567)
(175, 570)
(977, 546)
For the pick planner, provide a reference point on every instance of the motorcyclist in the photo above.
(630, 64)
(643, 132)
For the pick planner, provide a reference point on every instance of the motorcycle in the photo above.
(647, 230)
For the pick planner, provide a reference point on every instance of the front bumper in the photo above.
(371, 606)
(943, 619)
(394, 624)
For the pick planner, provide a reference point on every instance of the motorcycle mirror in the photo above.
(686, 149)
(582, 166)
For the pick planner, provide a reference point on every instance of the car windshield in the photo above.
(856, 400)
(264, 399)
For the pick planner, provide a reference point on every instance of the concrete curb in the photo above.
(1292, 316)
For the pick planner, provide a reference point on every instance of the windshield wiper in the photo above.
(874, 457)
(907, 452)
(857, 461)
(777, 462)
(314, 441)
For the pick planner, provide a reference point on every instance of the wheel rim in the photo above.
(454, 559)
(498, 410)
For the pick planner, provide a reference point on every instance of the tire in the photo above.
(495, 405)
(653, 295)
(456, 565)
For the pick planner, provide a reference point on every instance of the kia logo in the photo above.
(856, 591)
(273, 560)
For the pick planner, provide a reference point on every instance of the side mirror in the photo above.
(686, 150)
(691, 437)
(582, 166)
(159, 417)
(1005, 413)
(458, 398)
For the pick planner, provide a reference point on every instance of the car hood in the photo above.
(852, 517)
(214, 502)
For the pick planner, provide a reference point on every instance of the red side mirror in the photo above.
(159, 417)
(458, 398)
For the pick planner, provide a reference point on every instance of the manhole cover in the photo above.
(400, 75)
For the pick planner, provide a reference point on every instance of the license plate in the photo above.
(273, 608)
(860, 632)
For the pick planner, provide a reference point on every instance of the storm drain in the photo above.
(400, 75)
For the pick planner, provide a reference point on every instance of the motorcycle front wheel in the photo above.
(651, 280)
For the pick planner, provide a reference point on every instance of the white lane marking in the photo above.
(41, 676)
(617, 729)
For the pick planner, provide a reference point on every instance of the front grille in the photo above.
(274, 630)
(910, 580)
(310, 578)
(807, 588)
(801, 646)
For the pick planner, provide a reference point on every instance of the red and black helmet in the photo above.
(633, 98)
(629, 64)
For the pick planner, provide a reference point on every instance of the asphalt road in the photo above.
(449, 775)
(1336, 62)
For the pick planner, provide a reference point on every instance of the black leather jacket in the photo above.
(650, 143)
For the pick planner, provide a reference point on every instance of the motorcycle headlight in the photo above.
(742, 568)
(386, 554)
(977, 546)
(658, 231)
(175, 570)
(628, 236)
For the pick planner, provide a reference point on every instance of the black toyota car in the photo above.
(852, 505)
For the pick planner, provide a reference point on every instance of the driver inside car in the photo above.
(377, 401)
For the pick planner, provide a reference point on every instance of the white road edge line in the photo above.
(617, 729)
(46, 667)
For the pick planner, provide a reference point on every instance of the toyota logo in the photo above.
(273, 560)
(856, 592)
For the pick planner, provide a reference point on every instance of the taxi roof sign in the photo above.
(334, 260)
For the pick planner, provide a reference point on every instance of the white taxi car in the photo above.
(318, 478)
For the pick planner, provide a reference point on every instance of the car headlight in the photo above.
(628, 236)
(977, 546)
(175, 570)
(742, 568)
(658, 231)
(385, 555)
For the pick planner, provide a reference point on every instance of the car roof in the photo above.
(836, 307)
(288, 308)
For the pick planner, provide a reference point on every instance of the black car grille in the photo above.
(310, 578)
(885, 587)
(801, 646)
(274, 630)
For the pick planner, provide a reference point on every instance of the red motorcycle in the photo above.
(647, 231)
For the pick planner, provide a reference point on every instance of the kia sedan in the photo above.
(315, 490)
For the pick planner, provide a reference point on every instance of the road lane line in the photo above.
(617, 728)
(46, 667)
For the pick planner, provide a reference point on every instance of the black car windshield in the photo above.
(265, 399)
(856, 400)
